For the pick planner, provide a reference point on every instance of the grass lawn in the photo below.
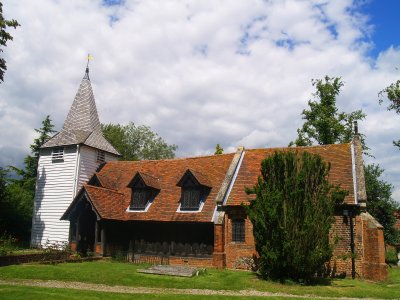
(112, 273)
(37, 293)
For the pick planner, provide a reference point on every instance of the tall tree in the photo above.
(292, 215)
(324, 124)
(380, 203)
(137, 142)
(29, 173)
(392, 93)
(3, 201)
(4, 37)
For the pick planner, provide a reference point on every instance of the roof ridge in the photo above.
(169, 159)
(301, 147)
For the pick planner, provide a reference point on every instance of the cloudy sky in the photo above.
(201, 72)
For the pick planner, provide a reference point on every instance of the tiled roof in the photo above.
(150, 180)
(341, 169)
(106, 202)
(113, 198)
(201, 178)
(113, 204)
(82, 125)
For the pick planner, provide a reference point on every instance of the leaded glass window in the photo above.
(238, 231)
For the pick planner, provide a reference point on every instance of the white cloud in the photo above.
(199, 73)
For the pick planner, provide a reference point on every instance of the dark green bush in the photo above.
(292, 215)
(391, 256)
(7, 244)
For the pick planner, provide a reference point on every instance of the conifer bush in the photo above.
(292, 215)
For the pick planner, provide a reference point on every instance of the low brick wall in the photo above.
(192, 261)
(29, 258)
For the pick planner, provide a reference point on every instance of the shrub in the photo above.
(7, 244)
(391, 256)
(292, 215)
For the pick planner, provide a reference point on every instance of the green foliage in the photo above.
(4, 37)
(380, 203)
(3, 176)
(218, 150)
(29, 173)
(16, 207)
(7, 244)
(324, 124)
(18, 194)
(16, 212)
(392, 92)
(292, 215)
(137, 142)
(391, 256)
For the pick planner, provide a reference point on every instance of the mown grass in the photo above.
(112, 273)
(39, 293)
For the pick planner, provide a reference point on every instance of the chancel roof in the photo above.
(82, 125)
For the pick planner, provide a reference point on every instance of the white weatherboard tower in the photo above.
(67, 161)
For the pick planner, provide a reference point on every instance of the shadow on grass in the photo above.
(317, 281)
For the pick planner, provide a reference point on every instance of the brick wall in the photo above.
(374, 266)
(191, 261)
(397, 215)
(219, 257)
(340, 236)
(368, 245)
(237, 254)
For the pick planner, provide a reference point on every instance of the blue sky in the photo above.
(384, 15)
(237, 73)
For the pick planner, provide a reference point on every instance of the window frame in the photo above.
(238, 231)
(100, 156)
(188, 195)
(190, 184)
(143, 192)
(57, 154)
(139, 186)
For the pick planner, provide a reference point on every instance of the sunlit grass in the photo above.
(112, 273)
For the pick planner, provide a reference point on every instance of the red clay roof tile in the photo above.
(166, 203)
(341, 169)
(113, 204)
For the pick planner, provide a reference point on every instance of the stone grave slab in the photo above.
(182, 271)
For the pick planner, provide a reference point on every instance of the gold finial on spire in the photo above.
(89, 58)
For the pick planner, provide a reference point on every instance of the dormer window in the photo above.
(144, 189)
(190, 196)
(194, 190)
(57, 155)
(140, 196)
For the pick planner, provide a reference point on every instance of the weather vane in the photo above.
(89, 58)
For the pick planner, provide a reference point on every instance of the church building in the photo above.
(188, 211)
